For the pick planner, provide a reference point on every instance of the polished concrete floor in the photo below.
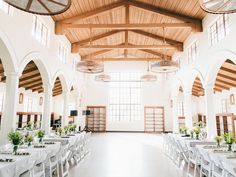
(125, 155)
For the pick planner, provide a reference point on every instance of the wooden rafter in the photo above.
(124, 59)
(129, 46)
(197, 23)
(90, 14)
(179, 45)
(94, 54)
(156, 53)
(34, 86)
(128, 26)
(230, 84)
(95, 38)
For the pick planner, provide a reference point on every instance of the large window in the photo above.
(28, 105)
(192, 52)
(40, 31)
(219, 29)
(125, 97)
(6, 8)
(62, 53)
(180, 109)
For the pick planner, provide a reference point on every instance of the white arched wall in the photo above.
(37, 58)
(60, 102)
(175, 98)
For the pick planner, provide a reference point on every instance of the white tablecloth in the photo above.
(64, 141)
(21, 163)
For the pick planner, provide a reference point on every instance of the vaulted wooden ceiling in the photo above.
(31, 78)
(197, 89)
(57, 89)
(111, 30)
(226, 77)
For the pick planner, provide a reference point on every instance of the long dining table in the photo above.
(21, 163)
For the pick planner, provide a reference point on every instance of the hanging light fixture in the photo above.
(218, 6)
(103, 78)
(90, 66)
(164, 65)
(148, 77)
(41, 7)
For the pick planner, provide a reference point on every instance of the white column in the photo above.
(175, 115)
(210, 112)
(66, 95)
(46, 119)
(188, 109)
(11, 99)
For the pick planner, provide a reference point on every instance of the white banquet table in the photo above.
(22, 162)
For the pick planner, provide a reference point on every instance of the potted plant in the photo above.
(229, 139)
(197, 131)
(29, 125)
(191, 134)
(40, 135)
(218, 140)
(16, 139)
(59, 130)
(72, 127)
(29, 139)
(66, 129)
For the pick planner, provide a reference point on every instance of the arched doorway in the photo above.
(224, 97)
(198, 102)
(58, 104)
(30, 104)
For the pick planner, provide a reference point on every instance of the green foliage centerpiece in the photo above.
(29, 125)
(183, 130)
(59, 130)
(197, 131)
(40, 135)
(29, 139)
(229, 140)
(16, 138)
(72, 128)
(66, 129)
(218, 140)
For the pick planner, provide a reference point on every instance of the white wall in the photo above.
(153, 94)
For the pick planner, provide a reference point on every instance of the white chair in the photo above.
(64, 165)
(29, 171)
(39, 167)
(230, 171)
(206, 164)
(217, 166)
(194, 160)
(53, 164)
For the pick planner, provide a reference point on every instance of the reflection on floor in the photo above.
(126, 155)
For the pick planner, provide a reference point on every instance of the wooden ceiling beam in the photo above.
(123, 59)
(27, 71)
(231, 84)
(94, 54)
(179, 45)
(123, 46)
(56, 87)
(226, 77)
(38, 89)
(156, 53)
(217, 85)
(31, 83)
(59, 27)
(34, 86)
(127, 26)
(22, 78)
(150, 8)
(228, 70)
(95, 38)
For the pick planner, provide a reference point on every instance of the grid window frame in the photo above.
(125, 97)
(219, 29)
(63, 53)
(40, 31)
(192, 52)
